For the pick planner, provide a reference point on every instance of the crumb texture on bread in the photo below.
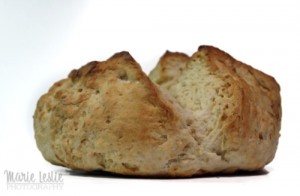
(207, 113)
(236, 109)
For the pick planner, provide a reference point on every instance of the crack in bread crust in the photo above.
(202, 114)
(244, 130)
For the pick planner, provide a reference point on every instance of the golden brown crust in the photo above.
(258, 131)
(248, 140)
(170, 65)
(110, 116)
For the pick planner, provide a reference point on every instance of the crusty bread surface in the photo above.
(236, 108)
(207, 113)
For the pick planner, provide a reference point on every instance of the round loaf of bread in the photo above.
(208, 113)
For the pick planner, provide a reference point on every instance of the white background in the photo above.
(41, 41)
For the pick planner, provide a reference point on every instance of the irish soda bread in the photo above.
(207, 113)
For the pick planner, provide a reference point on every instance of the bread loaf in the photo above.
(207, 113)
